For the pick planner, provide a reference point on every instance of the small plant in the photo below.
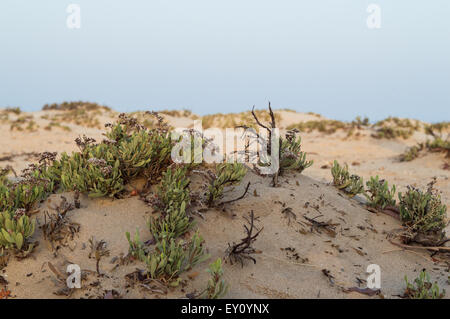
(380, 195)
(423, 212)
(15, 230)
(217, 287)
(423, 288)
(136, 249)
(350, 184)
(173, 190)
(392, 133)
(144, 154)
(412, 152)
(439, 145)
(35, 183)
(322, 126)
(98, 250)
(226, 174)
(172, 224)
(171, 258)
(92, 174)
(291, 156)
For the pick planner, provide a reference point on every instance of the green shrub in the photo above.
(26, 192)
(380, 194)
(439, 145)
(136, 249)
(323, 126)
(291, 156)
(171, 258)
(423, 212)
(392, 133)
(411, 153)
(350, 184)
(15, 229)
(226, 174)
(423, 288)
(144, 154)
(172, 224)
(216, 287)
(91, 175)
(141, 151)
(173, 190)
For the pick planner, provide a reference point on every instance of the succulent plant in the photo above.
(423, 212)
(226, 174)
(350, 184)
(291, 156)
(15, 229)
(378, 193)
(144, 153)
(173, 190)
(172, 224)
(171, 258)
(216, 287)
(136, 249)
(25, 192)
(423, 288)
(93, 175)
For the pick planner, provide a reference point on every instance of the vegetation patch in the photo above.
(423, 288)
(350, 184)
(424, 214)
(378, 194)
(216, 287)
(226, 174)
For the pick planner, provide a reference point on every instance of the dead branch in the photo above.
(239, 198)
(244, 250)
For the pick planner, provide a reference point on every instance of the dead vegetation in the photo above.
(244, 249)
(98, 250)
(57, 228)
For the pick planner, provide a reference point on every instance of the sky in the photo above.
(213, 56)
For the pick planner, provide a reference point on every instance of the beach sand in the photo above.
(292, 255)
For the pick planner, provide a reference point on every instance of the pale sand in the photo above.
(274, 275)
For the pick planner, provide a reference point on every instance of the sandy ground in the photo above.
(295, 272)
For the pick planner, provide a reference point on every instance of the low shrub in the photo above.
(392, 133)
(92, 175)
(350, 184)
(173, 190)
(423, 212)
(380, 196)
(136, 249)
(172, 224)
(423, 288)
(411, 153)
(34, 185)
(216, 287)
(15, 230)
(226, 174)
(291, 156)
(171, 258)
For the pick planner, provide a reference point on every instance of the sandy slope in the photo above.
(361, 236)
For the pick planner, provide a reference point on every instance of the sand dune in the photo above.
(293, 255)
